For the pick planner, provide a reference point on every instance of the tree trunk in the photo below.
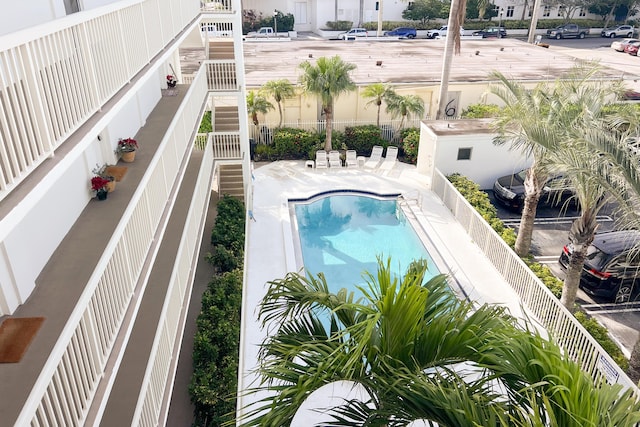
(280, 112)
(254, 117)
(525, 231)
(634, 363)
(524, 9)
(533, 188)
(378, 117)
(449, 50)
(328, 116)
(572, 278)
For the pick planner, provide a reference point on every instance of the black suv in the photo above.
(509, 190)
(612, 267)
(497, 32)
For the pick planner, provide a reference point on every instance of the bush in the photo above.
(265, 152)
(481, 111)
(409, 140)
(205, 124)
(293, 143)
(479, 200)
(214, 382)
(363, 138)
(339, 25)
(229, 226)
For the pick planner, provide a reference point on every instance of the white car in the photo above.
(353, 33)
(441, 32)
(619, 45)
(620, 31)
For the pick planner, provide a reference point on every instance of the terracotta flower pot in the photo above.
(128, 156)
(111, 186)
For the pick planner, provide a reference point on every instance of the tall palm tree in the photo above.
(399, 343)
(404, 106)
(279, 90)
(327, 80)
(526, 123)
(257, 103)
(377, 93)
(452, 46)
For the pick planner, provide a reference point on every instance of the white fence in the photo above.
(535, 296)
(51, 85)
(263, 133)
(66, 385)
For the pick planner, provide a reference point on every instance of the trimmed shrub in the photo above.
(293, 143)
(265, 152)
(228, 230)
(205, 124)
(214, 382)
(339, 25)
(480, 111)
(409, 140)
(363, 138)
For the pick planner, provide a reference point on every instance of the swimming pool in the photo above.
(341, 235)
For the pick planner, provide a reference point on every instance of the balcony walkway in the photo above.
(63, 279)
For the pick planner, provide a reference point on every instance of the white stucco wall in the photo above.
(441, 140)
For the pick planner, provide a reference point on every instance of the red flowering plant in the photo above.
(99, 183)
(126, 145)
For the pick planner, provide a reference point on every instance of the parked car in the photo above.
(612, 267)
(619, 31)
(353, 33)
(567, 31)
(402, 32)
(619, 45)
(441, 32)
(497, 32)
(632, 48)
(509, 190)
(262, 32)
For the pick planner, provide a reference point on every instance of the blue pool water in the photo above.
(341, 236)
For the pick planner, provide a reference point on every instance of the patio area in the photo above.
(271, 248)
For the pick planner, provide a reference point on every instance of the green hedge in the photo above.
(409, 140)
(479, 200)
(480, 111)
(213, 386)
(363, 138)
(291, 143)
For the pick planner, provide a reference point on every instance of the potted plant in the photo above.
(126, 149)
(101, 171)
(171, 81)
(99, 185)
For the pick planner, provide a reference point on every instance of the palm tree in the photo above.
(279, 90)
(257, 103)
(404, 105)
(526, 124)
(377, 93)
(452, 46)
(421, 354)
(327, 80)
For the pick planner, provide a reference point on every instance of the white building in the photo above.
(109, 280)
(312, 15)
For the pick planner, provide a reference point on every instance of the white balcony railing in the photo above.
(65, 387)
(535, 296)
(162, 364)
(51, 84)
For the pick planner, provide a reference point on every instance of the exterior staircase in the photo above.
(230, 180)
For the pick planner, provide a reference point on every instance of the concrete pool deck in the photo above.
(270, 252)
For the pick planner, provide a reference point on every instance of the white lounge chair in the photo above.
(352, 159)
(390, 158)
(334, 159)
(322, 162)
(374, 159)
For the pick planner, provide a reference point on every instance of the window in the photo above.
(561, 10)
(510, 10)
(547, 11)
(464, 153)
(583, 12)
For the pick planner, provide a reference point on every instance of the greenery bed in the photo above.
(214, 382)
(480, 201)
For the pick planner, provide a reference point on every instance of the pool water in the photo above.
(342, 236)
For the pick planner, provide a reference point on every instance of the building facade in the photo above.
(109, 281)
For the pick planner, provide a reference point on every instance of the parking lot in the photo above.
(550, 234)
